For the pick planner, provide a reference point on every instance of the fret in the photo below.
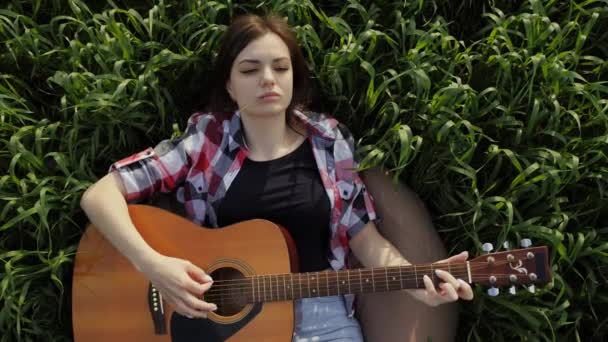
(270, 286)
(373, 281)
(360, 282)
(264, 283)
(432, 274)
(254, 281)
(260, 292)
(317, 291)
(292, 295)
(348, 279)
(308, 277)
(276, 279)
(252, 289)
(300, 282)
(401, 276)
(278, 287)
(327, 281)
(416, 276)
(386, 277)
(338, 281)
(284, 288)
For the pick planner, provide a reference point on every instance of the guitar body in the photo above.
(112, 301)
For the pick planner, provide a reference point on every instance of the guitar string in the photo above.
(268, 290)
(276, 285)
(456, 267)
(403, 268)
(223, 296)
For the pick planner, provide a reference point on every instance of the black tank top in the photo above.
(287, 191)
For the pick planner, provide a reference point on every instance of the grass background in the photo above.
(494, 112)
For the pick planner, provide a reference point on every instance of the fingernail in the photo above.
(208, 278)
(438, 272)
(190, 317)
(214, 307)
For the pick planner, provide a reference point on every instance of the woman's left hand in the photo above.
(450, 289)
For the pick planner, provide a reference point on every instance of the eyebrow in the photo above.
(256, 61)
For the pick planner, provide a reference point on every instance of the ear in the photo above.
(229, 90)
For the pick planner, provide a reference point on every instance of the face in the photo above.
(261, 78)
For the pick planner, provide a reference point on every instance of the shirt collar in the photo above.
(316, 123)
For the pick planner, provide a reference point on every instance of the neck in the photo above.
(279, 287)
(267, 137)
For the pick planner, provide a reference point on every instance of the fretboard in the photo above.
(282, 287)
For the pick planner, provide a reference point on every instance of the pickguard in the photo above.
(184, 329)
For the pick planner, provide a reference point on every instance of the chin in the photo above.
(267, 110)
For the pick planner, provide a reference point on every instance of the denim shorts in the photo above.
(324, 319)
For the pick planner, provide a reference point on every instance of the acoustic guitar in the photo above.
(252, 265)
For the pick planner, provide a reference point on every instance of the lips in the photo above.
(269, 94)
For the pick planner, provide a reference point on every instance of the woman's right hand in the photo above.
(181, 283)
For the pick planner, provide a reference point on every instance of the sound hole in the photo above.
(227, 292)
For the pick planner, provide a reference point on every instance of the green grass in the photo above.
(494, 112)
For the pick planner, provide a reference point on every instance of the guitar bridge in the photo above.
(155, 304)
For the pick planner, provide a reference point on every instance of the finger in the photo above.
(198, 305)
(197, 288)
(428, 283)
(448, 278)
(465, 291)
(179, 306)
(463, 256)
(197, 273)
(449, 294)
(207, 286)
(187, 311)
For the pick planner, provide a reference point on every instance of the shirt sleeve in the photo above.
(361, 208)
(163, 167)
(359, 203)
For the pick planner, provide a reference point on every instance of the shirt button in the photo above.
(200, 188)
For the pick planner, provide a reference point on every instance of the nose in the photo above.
(267, 77)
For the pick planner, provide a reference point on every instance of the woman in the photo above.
(259, 157)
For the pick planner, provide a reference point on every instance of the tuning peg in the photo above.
(531, 288)
(525, 243)
(512, 290)
(493, 291)
(506, 245)
(487, 247)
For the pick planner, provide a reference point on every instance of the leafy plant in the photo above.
(494, 112)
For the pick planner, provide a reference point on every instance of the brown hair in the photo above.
(243, 30)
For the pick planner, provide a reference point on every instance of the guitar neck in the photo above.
(281, 287)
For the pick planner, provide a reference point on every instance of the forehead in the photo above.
(266, 48)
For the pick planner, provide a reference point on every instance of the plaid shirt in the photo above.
(202, 163)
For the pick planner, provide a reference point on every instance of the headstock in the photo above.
(525, 266)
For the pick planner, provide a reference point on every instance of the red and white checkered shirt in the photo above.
(202, 163)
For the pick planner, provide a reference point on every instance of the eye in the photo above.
(282, 69)
(250, 71)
